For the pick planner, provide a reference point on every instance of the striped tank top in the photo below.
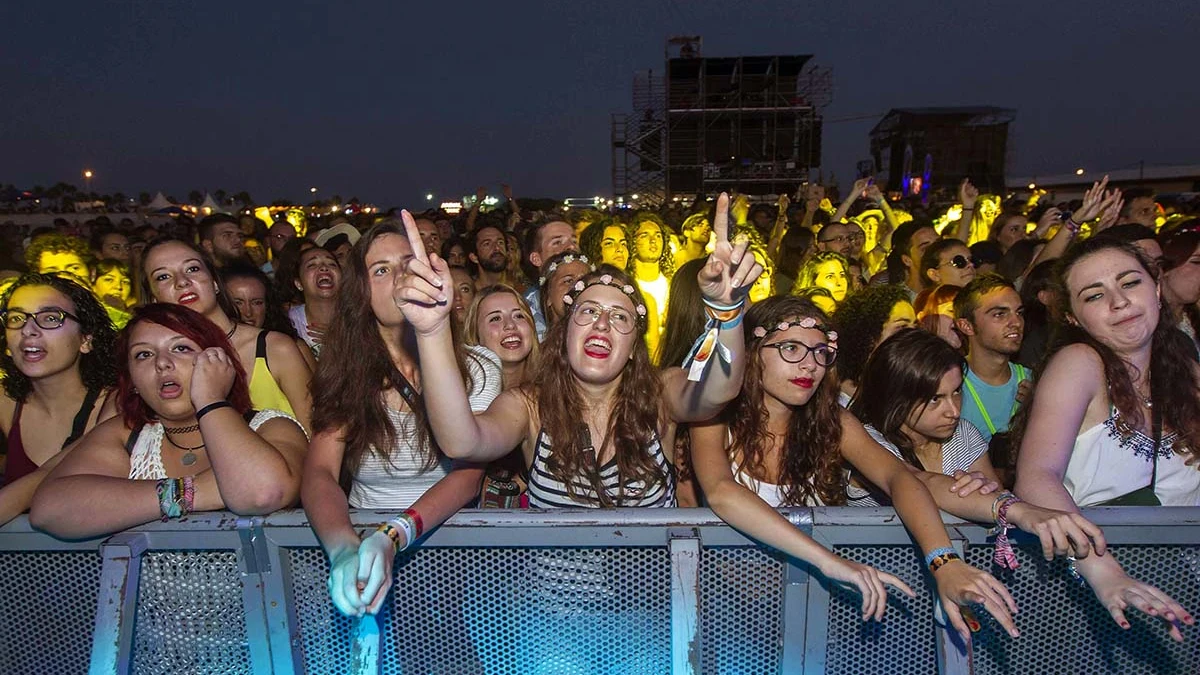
(547, 492)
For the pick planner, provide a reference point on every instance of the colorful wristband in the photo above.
(938, 557)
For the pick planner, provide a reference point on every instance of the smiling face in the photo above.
(505, 328)
(160, 367)
(1114, 299)
(614, 247)
(250, 298)
(177, 275)
(387, 261)
(320, 275)
(601, 334)
(791, 384)
(937, 419)
(39, 352)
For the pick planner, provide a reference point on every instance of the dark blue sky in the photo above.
(387, 100)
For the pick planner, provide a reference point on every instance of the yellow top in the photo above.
(265, 393)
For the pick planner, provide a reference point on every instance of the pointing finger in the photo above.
(721, 220)
(414, 237)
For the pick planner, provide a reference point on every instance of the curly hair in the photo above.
(1171, 359)
(190, 324)
(58, 243)
(356, 369)
(666, 260)
(901, 376)
(592, 238)
(811, 463)
(97, 368)
(633, 422)
(859, 321)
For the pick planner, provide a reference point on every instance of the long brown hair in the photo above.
(1173, 384)
(811, 459)
(356, 369)
(471, 321)
(901, 376)
(632, 423)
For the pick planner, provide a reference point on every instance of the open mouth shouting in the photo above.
(31, 353)
(170, 389)
(597, 347)
(324, 281)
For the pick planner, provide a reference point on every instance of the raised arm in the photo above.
(1070, 391)
(812, 202)
(748, 513)
(957, 583)
(473, 214)
(724, 282)
(779, 229)
(1096, 203)
(844, 208)
(514, 215)
(968, 194)
(423, 296)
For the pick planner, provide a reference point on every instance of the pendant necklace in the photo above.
(189, 454)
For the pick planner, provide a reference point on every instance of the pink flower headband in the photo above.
(608, 280)
(807, 322)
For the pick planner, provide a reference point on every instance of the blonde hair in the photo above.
(471, 320)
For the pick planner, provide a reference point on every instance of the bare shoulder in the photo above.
(7, 407)
(1077, 364)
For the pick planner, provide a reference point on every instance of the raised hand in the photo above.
(212, 377)
(869, 582)
(1051, 216)
(1110, 214)
(727, 276)
(960, 584)
(783, 203)
(1095, 201)
(968, 194)
(874, 193)
(860, 187)
(480, 194)
(507, 190)
(423, 294)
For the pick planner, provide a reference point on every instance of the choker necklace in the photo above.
(182, 430)
(189, 454)
(232, 330)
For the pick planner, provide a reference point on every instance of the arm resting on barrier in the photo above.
(1070, 395)
(957, 582)
(746, 511)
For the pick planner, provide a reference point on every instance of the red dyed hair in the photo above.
(189, 324)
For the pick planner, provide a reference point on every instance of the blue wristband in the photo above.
(734, 322)
(938, 552)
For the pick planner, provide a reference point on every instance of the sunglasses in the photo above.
(960, 262)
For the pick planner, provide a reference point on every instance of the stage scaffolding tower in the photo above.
(750, 124)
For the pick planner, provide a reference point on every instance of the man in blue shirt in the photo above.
(989, 313)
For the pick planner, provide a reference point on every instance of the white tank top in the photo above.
(145, 459)
(1104, 466)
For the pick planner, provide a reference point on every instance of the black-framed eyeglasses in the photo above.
(49, 319)
(794, 351)
(960, 262)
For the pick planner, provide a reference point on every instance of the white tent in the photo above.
(210, 205)
(159, 203)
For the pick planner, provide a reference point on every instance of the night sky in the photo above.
(388, 101)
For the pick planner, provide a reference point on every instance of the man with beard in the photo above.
(221, 238)
(989, 312)
(490, 253)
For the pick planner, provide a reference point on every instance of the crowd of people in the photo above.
(1007, 361)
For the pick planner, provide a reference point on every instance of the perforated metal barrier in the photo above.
(619, 592)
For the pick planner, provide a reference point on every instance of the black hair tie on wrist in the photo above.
(211, 407)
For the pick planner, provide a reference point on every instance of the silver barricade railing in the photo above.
(623, 591)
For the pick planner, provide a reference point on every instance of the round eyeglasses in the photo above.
(619, 318)
(49, 319)
(794, 351)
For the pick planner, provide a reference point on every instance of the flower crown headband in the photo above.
(608, 280)
(808, 322)
(569, 258)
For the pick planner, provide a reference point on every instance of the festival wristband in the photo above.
(211, 407)
(938, 557)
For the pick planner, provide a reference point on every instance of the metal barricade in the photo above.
(623, 591)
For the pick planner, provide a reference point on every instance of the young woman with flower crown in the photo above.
(597, 423)
(784, 441)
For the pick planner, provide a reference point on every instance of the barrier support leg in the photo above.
(116, 608)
